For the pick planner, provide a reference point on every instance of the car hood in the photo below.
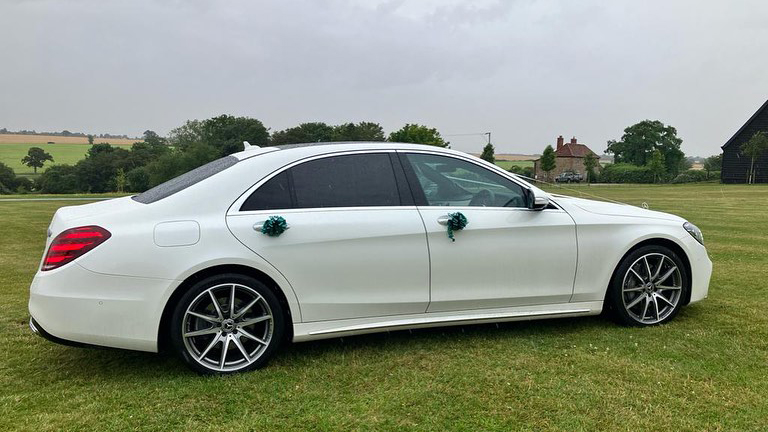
(614, 209)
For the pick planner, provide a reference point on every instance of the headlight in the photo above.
(694, 231)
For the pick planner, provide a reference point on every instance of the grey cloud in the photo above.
(525, 70)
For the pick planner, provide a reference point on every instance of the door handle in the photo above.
(258, 225)
(443, 220)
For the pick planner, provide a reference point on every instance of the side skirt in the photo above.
(348, 327)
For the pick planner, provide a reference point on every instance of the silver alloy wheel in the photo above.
(227, 327)
(652, 288)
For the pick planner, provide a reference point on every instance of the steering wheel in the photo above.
(484, 198)
(516, 201)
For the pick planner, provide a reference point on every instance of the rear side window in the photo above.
(185, 180)
(359, 180)
(274, 194)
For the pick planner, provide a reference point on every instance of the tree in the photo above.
(657, 166)
(120, 180)
(488, 153)
(59, 179)
(226, 133)
(640, 140)
(363, 131)
(36, 157)
(8, 179)
(754, 148)
(590, 163)
(713, 163)
(187, 134)
(418, 134)
(90, 139)
(97, 172)
(173, 164)
(152, 138)
(304, 133)
(547, 161)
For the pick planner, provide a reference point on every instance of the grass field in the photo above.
(706, 370)
(506, 164)
(66, 150)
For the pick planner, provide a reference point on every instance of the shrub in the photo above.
(138, 179)
(527, 171)
(59, 179)
(626, 173)
(691, 176)
(7, 179)
(24, 185)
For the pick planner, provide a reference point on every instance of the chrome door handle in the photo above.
(258, 225)
(443, 220)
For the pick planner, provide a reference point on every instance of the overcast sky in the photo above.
(525, 70)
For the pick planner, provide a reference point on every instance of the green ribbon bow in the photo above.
(456, 222)
(274, 226)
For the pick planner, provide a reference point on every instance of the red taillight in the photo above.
(72, 243)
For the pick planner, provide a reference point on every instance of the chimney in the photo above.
(573, 140)
(559, 142)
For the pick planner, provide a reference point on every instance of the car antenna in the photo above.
(248, 146)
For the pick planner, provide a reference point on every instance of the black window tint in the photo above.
(185, 180)
(274, 194)
(346, 181)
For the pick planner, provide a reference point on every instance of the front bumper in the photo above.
(701, 269)
(73, 305)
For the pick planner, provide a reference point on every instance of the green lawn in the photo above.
(707, 370)
(12, 153)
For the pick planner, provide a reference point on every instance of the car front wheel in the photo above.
(648, 287)
(227, 323)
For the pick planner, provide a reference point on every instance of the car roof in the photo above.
(309, 149)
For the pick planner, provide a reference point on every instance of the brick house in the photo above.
(568, 157)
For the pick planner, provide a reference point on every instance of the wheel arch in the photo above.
(657, 241)
(162, 332)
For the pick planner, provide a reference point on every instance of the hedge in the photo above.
(626, 173)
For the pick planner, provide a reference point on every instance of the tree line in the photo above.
(156, 159)
(648, 152)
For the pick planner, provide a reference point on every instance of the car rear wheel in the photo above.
(227, 323)
(648, 287)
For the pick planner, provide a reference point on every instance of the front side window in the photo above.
(448, 181)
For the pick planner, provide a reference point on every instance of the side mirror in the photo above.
(537, 200)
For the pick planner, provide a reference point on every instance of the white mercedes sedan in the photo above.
(303, 242)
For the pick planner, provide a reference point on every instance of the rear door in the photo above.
(356, 245)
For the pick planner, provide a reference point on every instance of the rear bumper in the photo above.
(40, 331)
(75, 306)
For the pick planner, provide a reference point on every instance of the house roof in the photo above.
(738, 132)
(574, 150)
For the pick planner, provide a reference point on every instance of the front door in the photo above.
(507, 255)
(355, 246)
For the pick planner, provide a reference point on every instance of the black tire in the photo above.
(186, 348)
(633, 296)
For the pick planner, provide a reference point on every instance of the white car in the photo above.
(306, 242)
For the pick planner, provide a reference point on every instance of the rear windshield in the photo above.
(185, 180)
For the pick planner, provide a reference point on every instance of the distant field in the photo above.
(66, 150)
(38, 139)
(506, 164)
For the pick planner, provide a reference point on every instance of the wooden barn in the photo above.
(735, 164)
